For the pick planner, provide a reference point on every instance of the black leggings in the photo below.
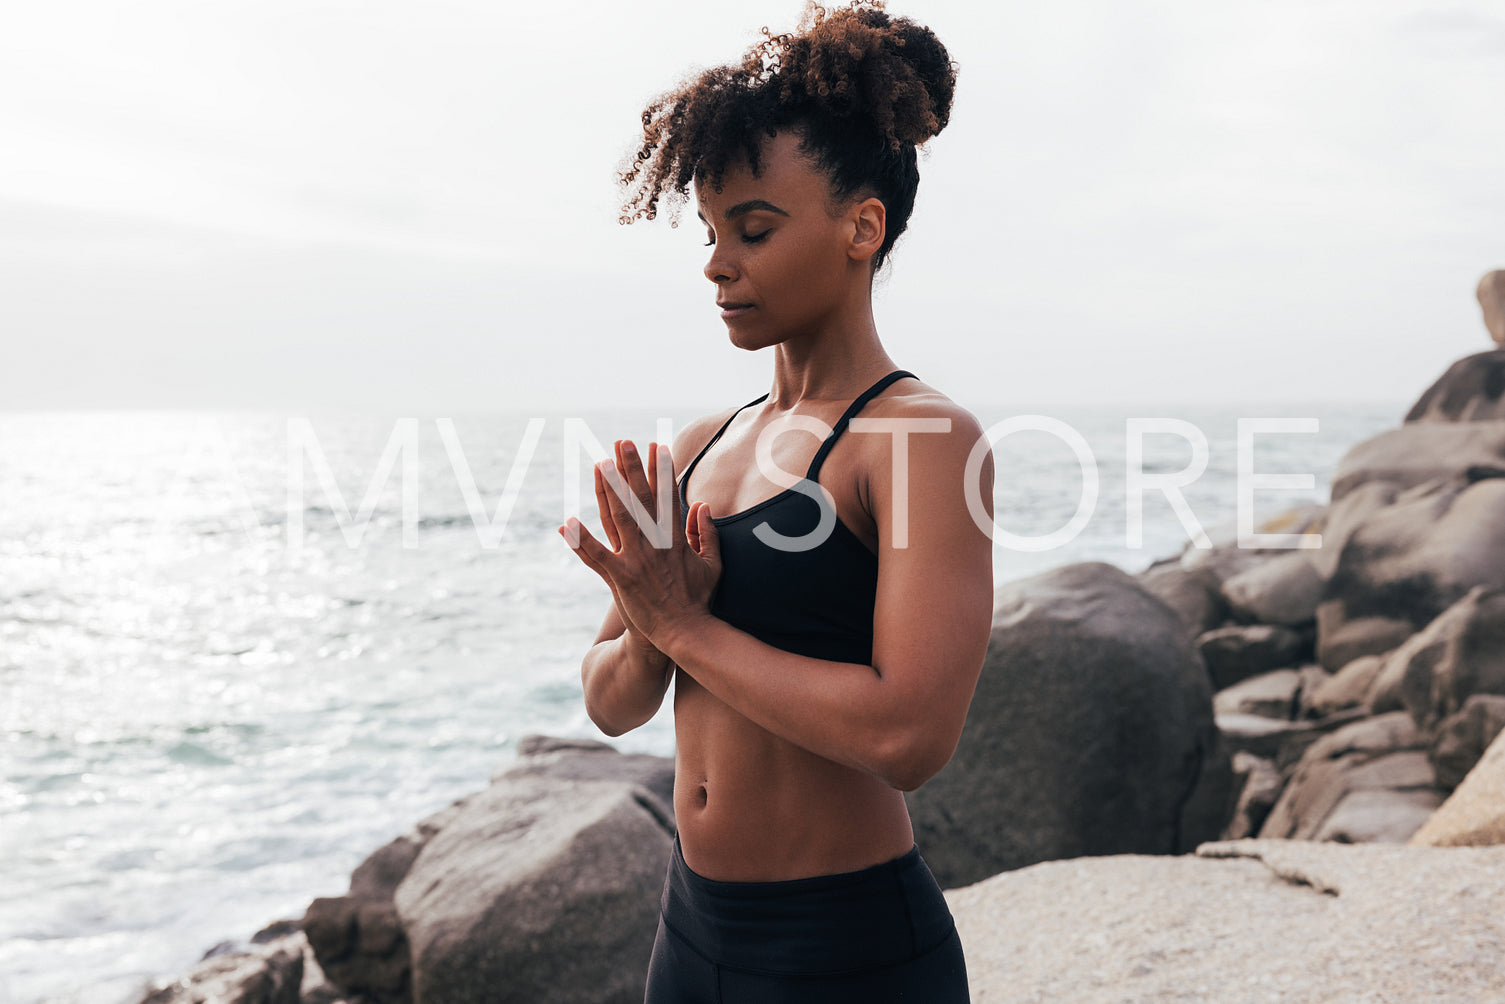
(873, 936)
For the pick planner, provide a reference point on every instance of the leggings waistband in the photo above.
(888, 913)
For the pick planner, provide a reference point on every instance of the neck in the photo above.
(837, 361)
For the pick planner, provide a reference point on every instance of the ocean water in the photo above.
(220, 691)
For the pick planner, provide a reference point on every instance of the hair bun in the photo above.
(857, 62)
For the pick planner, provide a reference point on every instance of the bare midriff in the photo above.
(753, 807)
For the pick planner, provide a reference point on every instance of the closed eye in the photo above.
(746, 238)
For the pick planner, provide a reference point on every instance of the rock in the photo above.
(1222, 562)
(1419, 452)
(1460, 654)
(1251, 921)
(1269, 695)
(357, 938)
(1347, 688)
(1090, 732)
(1342, 639)
(1271, 739)
(1258, 784)
(1240, 651)
(1407, 563)
(1284, 590)
(1492, 302)
(1313, 678)
(1474, 815)
(540, 891)
(1463, 737)
(1192, 594)
(270, 973)
(1367, 782)
(1472, 390)
(365, 941)
(1346, 516)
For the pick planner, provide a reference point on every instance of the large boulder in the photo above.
(543, 887)
(1420, 452)
(1408, 562)
(1368, 782)
(1298, 923)
(1474, 815)
(1472, 390)
(1090, 732)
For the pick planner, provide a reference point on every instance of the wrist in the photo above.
(681, 632)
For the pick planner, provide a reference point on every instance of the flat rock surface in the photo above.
(1243, 921)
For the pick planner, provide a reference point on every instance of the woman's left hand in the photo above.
(662, 581)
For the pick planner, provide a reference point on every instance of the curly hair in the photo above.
(861, 89)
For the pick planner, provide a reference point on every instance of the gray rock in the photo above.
(1474, 814)
(1407, 563)
(363, 941)
(1284, 590)
(1365, 782)
(1349, 687)
(1090, 732)
(1472, 390)
(1344, 517)
(1192, 593)
(1463, 737)
(1270, 695)
(1239, 651)
(1460, 654)
(1282, 742)
(542, 891)
(1242, 923)
(1418, 452)
(1258, 785)
(270, 973)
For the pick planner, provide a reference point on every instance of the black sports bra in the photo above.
(813, 592)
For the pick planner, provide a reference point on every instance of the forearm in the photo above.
(838, 710)
(624, 684)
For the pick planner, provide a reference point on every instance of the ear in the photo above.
(868, 219)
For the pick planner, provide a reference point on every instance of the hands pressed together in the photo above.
(662, 580)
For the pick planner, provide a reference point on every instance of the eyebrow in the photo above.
(750, 206)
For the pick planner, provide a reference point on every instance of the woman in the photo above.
(824, 639)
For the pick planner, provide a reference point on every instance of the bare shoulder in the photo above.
(915, 399)
(696, 433)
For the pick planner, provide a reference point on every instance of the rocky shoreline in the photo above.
(1128, 736)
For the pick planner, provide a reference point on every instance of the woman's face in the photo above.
(782, 264)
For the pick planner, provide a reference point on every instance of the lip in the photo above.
(730, 310)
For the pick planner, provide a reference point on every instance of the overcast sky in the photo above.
(410, 207)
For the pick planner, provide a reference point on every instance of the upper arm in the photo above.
(933, 613)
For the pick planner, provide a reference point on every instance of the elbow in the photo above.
(910, 761)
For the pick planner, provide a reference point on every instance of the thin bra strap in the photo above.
(684, 479)
(841, 424)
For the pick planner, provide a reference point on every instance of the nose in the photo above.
(720, 268)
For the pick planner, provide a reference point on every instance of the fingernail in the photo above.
(627, 450)
(608, 467)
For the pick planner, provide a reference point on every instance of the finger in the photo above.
(608, 523)
(615, 502)
(630, 465)
(708, 536)
(692, 528)
(663, 463)
(651, 470)
(590, 550)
